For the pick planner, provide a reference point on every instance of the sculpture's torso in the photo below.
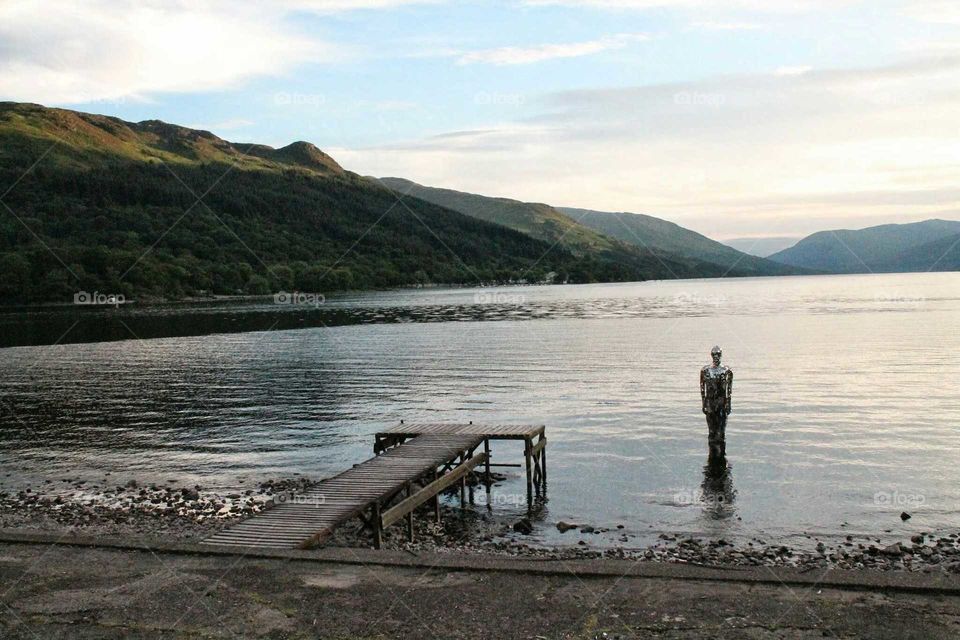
(715, 387)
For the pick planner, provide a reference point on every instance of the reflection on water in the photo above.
(717, 492)
(845, 392)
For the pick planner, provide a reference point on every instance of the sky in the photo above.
(743, 118)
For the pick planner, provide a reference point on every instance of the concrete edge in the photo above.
(904, 582)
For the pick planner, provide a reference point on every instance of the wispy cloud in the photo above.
(783, 153)
(541, 52)
(711, 25)
(797, 70)
(761, 6)
(103, 50)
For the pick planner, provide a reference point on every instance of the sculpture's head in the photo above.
(716, 353)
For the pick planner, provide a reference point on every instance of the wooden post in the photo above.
(463, 487)
(543, 464)
(409, 517)
(486, 473)
(436, 500)
(472, 476)
(377, 528)
(527, 445)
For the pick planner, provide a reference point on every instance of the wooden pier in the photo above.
(533, 436)
(414, 463)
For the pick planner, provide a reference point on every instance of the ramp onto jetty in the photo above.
(410, 468)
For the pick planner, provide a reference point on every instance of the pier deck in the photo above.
(414, 464)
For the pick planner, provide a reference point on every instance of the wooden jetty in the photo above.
(414, 463)
(533, 436)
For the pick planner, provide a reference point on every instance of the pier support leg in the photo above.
(543, 464)
(436, 500)
(463, 487)
(472, 478)
(377, 527)
(409, 517)
(527, 446)
(486, 472)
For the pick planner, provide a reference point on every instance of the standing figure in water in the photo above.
(716, 387)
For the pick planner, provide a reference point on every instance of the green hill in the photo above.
(654, 233)
(155, 210)
(565, 226)
(890, 247)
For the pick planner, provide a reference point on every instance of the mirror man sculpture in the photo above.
(716, 387)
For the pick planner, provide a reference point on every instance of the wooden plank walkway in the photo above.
(308, 518)
(490, 431)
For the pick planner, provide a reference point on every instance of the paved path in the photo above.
(84, 592)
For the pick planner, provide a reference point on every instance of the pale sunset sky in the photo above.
(740, 118)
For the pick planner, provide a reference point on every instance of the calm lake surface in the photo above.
(846, 406)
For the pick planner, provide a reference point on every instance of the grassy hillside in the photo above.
(564, 228)
(534, 219)
(655, 233)
(96, 203)
(889, 247)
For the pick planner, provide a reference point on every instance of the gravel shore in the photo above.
(192, 513)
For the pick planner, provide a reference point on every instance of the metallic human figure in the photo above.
(716, 387)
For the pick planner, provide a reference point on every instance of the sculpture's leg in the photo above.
(716, 424)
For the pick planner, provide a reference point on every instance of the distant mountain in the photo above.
(657, 234)
(938, 255)
(762, 247)
(917, 246)
(156, 210)
(558, 226)
(546, 223)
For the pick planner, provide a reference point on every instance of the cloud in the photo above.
(100, 50)
(336, 6)
(935, 11)
(710, 25)
(734, 155)
(762, 6)
(792, 70)
(539, 53)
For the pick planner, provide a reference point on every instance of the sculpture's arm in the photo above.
(729, 399)
(703, 390)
